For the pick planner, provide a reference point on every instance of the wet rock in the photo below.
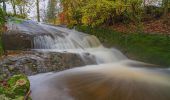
(20, 34)
(15, 40)
(34, 62)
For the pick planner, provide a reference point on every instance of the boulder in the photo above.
(13, 40)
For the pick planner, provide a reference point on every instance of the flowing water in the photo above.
(114, 77)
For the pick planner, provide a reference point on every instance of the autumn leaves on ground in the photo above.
(153, 26)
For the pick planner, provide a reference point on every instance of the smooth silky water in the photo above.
(115, 77)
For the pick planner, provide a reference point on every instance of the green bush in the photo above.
(2, 22)
(22, 16)
(2, 18)
(154, 11)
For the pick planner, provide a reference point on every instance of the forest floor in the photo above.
(151, 26)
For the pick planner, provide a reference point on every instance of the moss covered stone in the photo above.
(15, 88)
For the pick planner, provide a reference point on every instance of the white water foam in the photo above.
(120, 73)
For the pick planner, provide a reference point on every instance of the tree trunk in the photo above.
(4, 6)
(54, 21)
(165, 6)
(23, 9)
(144, 3)
(38, 10)
(13, 6)
(20, 9)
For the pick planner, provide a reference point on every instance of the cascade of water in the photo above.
(116, 81)
(70, 39)
(76, 42)
(115, 78)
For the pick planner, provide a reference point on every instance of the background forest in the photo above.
(88, 12)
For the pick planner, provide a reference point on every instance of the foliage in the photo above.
(143, 47)
(108, 12)
(22, 16)
(15, 20)
(2, 22)
(51, 11)
(154, 12)
(15, 88)
(22, 5)
(2, 18)
(96, 12)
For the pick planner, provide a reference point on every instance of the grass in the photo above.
(16, 20)
(148, 48)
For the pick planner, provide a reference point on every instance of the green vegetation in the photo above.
(135, 18)
(144, 47)
(109, 12)
(2, 17)
(2, 22)
(22, 16)
(51, 11)
(15, 20)
(15, 88)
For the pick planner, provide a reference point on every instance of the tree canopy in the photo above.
(97, 12)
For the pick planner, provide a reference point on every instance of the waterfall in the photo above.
(70, 39)
(112, 77)
(66, 40)
(115, 77)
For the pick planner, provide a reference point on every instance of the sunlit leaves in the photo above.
(97, 12)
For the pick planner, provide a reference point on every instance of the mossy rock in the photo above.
(3, 97)
(15, 88)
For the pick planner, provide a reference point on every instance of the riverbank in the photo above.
(17, 65)
(149, 48)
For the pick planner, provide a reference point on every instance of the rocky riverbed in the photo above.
(34, 62)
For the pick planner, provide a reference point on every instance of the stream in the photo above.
(64, 64)
(112, 77)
